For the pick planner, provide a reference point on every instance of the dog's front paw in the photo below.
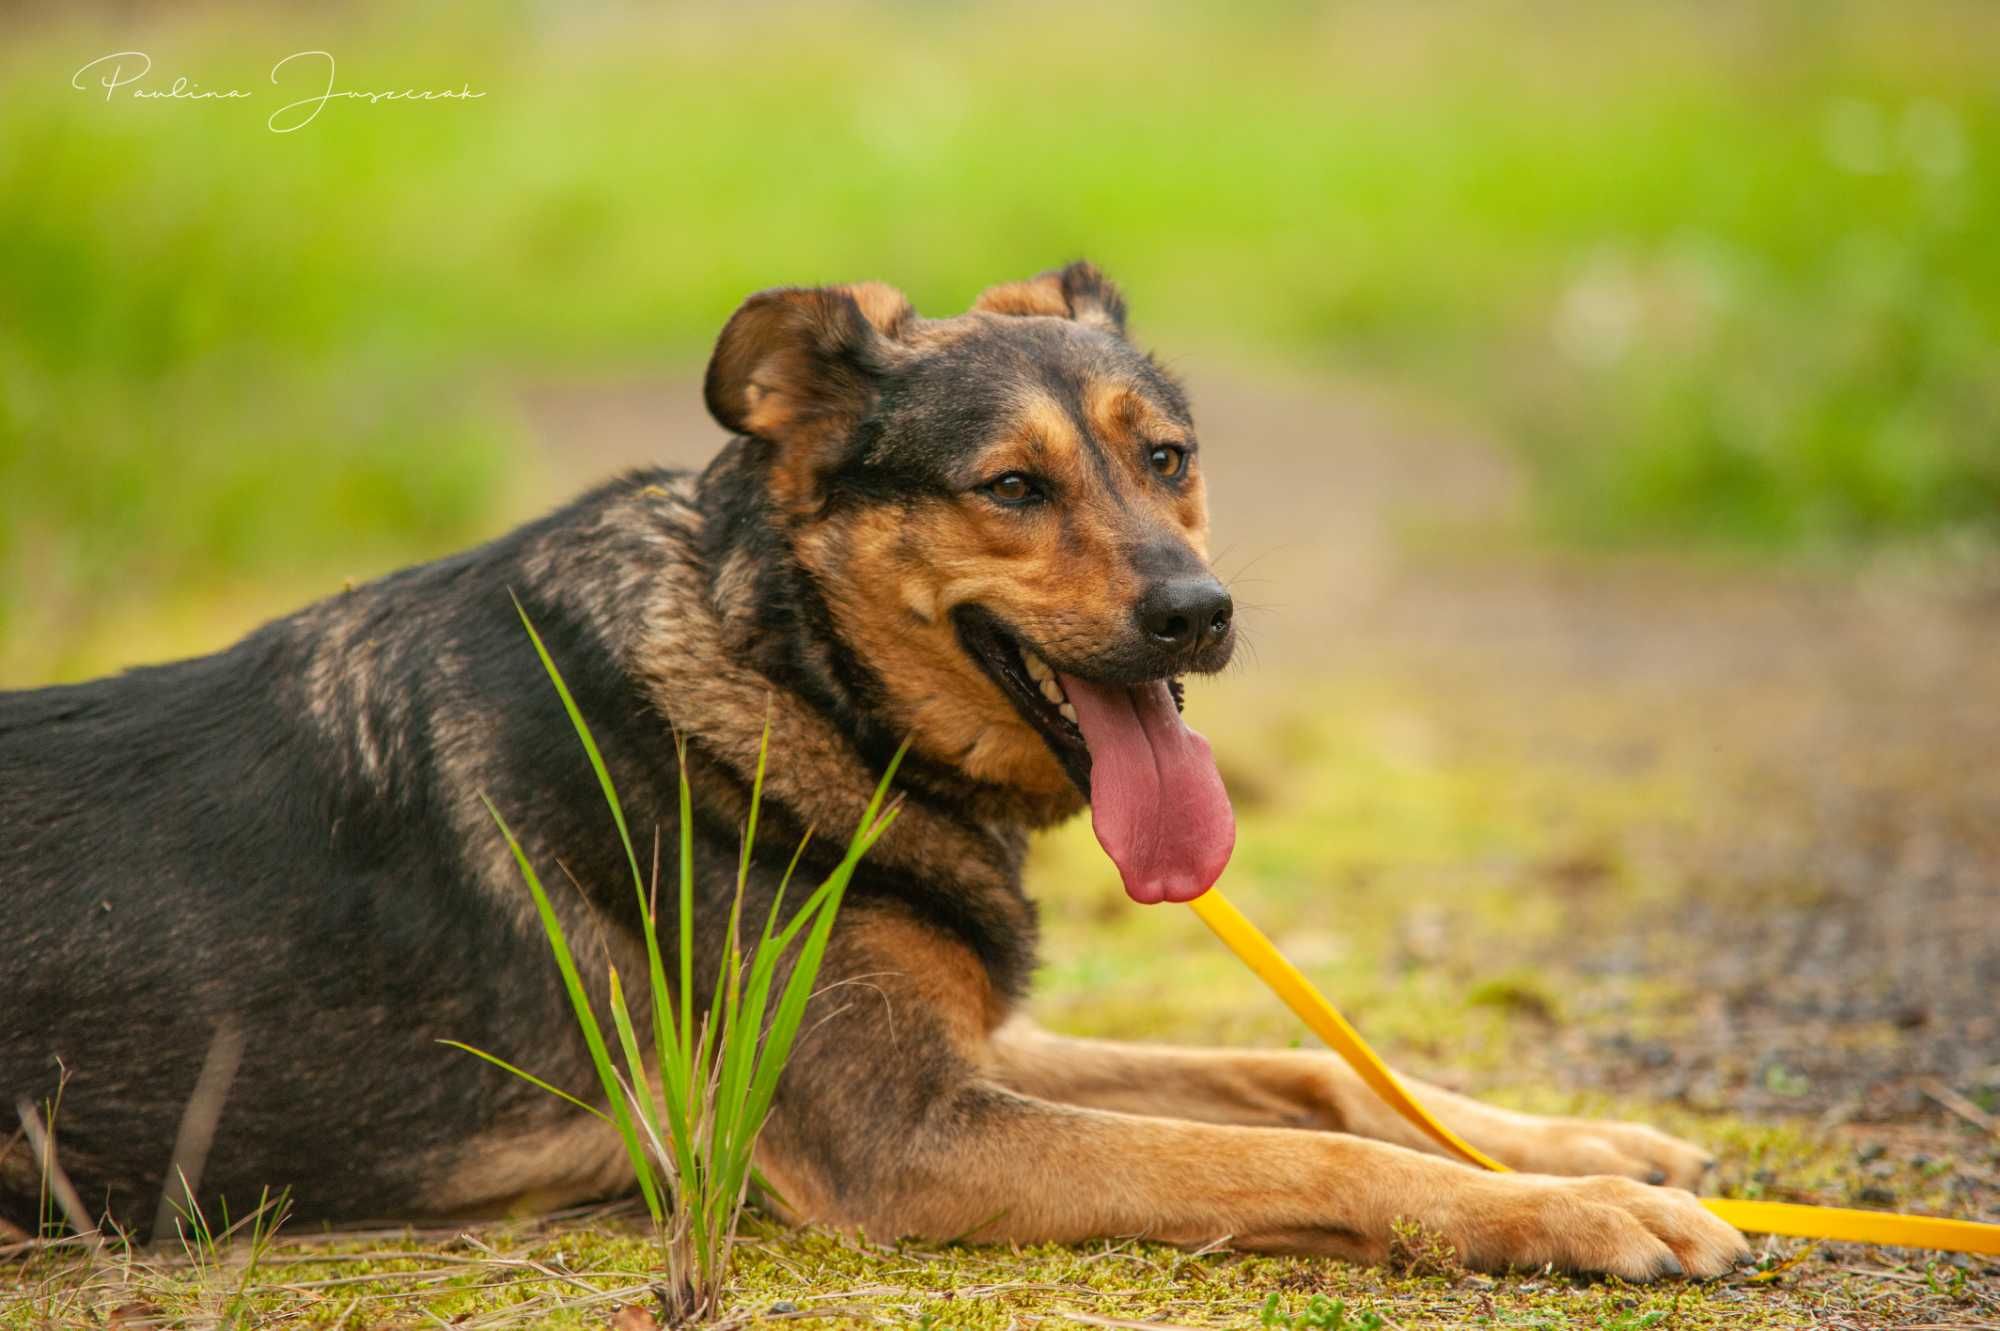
(1592, 1226)
(1582, 1146)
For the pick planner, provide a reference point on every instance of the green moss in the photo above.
(573, 1275)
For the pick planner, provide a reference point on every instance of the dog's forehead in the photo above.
(981, 371)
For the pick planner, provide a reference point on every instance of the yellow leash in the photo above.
(1811, 1222)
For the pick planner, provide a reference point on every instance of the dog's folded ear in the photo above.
(798, 366)
(1076, 292)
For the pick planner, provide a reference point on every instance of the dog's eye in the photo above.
(1167, 459)
(1014, 488)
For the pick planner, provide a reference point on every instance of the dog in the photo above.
(265, 882)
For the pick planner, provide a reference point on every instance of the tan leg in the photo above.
(1317, 1090)
(896, 1115)
(1015, 1169)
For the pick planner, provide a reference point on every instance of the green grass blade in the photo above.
(741, 1027)
(681, 1086)
(764, 959)
(529, 1077)
(672, 1067)
(589, 743)
(777, 1046)
(687, 910)
(640, 1086)
(763, 965)
(756, 802)
(586, 1019)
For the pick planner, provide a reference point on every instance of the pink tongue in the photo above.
(1156, 801)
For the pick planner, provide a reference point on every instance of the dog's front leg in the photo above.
(894, 1117)
(1282, 1088)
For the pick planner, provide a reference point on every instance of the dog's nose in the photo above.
(1186, 613)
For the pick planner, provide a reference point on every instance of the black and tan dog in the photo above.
(986, 533)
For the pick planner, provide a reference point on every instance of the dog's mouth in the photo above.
(1157, 803)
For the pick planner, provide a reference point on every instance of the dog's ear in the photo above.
(799, 366)
(1077, 292)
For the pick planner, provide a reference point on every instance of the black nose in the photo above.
(1186, 612)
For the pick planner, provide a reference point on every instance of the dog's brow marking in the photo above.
(1122, 416)
(1043, 423)
(1097, 443)
(1091, 511)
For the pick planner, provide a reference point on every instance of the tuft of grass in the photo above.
(689, 1108)
(227, 1273)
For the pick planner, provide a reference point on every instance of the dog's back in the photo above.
(271, 850)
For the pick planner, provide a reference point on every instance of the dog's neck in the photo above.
(731, 634)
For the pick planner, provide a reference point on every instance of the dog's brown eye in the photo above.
(1167, 460)
(1013, 488)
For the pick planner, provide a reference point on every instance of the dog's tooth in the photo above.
(1052, 690)
(1038, 669)
(1068, 711)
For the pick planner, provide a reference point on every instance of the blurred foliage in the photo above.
(1725, 273)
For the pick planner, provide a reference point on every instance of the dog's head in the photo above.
(1005, 514)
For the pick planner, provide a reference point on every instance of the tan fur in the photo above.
(888, 309)
(1037, 297)
(1044, 296)
(927, 970)
(735, 589)
(345, 692)
(939, 558)
(572, 1160)
(1285, 1088)
(1131, 424)
(1041, 1139)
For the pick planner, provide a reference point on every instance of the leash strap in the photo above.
(1788, 1218)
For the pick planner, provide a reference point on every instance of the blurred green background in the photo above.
(1723, 276)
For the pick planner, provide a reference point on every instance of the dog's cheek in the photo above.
(892, 578)
(890, 607)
